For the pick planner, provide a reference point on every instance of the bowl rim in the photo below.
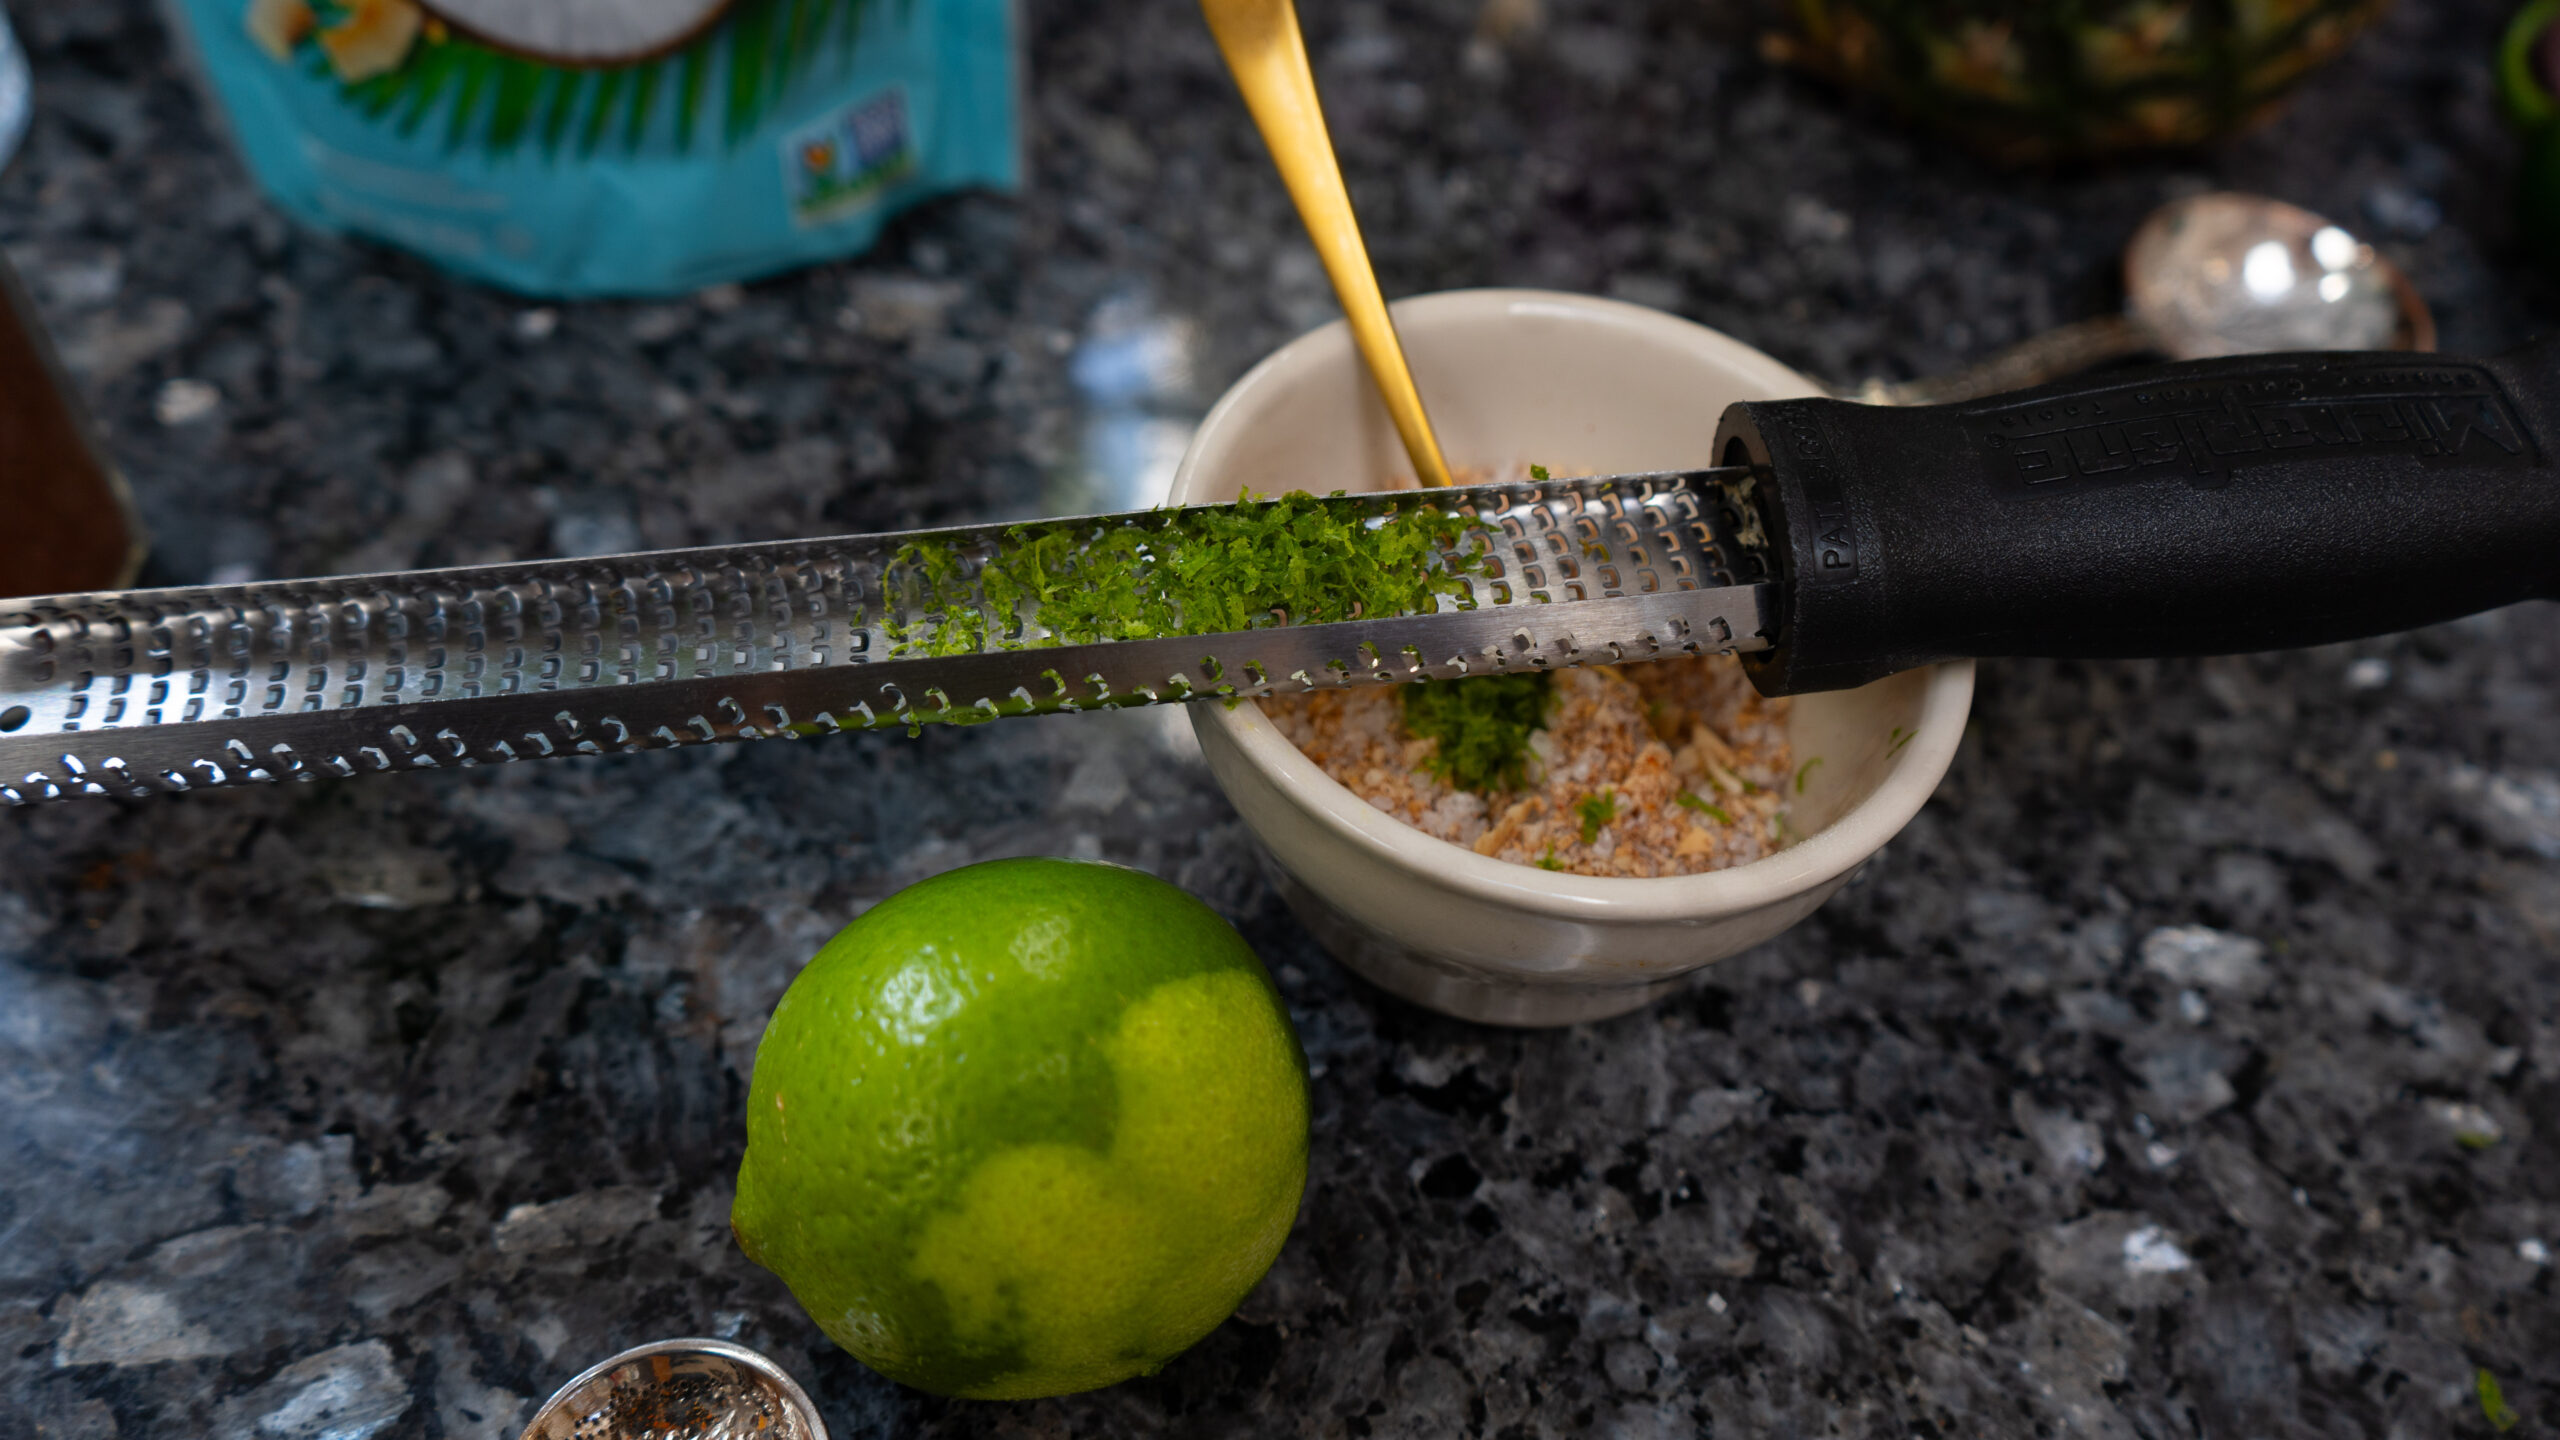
(1848, 841)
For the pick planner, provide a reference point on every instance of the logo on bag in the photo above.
(2207, 430)
(844, 162)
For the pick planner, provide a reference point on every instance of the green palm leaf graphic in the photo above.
(690, 67)
(501, 104)
(750, 53)
(600, 99)
(559, 103)
(644, 90)
(471, 79)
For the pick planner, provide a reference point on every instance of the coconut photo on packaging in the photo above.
(613, 147)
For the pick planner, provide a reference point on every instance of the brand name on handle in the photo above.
(1833, 532)
(2205, 431)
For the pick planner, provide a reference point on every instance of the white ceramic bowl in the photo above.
(1512, 376)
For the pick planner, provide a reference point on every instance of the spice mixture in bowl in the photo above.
(1676, 767)
(1672, 767)
(1547, 848)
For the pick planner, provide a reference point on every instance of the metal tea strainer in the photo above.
(688, 1389)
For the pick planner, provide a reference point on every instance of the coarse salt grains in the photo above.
(1676, 767)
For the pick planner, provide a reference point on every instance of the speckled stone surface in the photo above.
(2190, 1068)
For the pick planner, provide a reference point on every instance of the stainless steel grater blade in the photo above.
(141, 691)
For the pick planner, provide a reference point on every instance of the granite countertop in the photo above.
(2190, 1067)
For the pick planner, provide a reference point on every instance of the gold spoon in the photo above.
(1268, 56)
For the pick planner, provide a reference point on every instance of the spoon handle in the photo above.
(2205, 508)
(1263, 47)
(2036, 360)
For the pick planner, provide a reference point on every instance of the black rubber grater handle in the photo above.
(2211, 507)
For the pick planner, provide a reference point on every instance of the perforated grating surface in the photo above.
(177, 689)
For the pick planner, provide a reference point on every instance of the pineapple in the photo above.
(2039, 80)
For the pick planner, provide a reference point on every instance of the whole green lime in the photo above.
(1026, 1128)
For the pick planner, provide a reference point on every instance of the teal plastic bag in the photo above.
(614, 147)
